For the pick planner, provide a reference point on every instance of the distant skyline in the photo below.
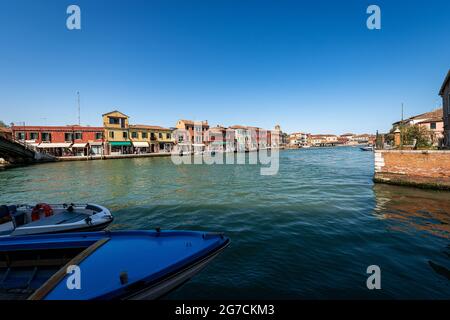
(309, 66)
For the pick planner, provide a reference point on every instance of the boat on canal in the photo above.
(136, 265)
(22, 220)
(367, 148)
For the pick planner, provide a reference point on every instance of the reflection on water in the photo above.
(406, 208)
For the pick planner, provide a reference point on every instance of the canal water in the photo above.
(310, 231)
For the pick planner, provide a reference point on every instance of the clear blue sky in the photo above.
(307, 65)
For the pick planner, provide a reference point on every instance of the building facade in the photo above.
(445, 94)
(299, 139)
(190, 135)
(150, 139)
(62, 140)
(241, 137)
(116, 127)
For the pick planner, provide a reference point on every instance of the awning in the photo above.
(32, 143)
(79, 145)
(198, 145)
(120, 143)
(140, 144)
(95, 143)
(53, 145)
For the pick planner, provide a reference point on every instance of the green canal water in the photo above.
(310, 231)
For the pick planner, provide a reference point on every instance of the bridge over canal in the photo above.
(17, 153)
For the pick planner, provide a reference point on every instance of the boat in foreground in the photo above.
(44, 218)
(112, 265)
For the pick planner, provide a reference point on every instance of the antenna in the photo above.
(401, 131)
(79, 111)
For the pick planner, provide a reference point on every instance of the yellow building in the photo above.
(117, 136)
(164, 138)
(154, 138)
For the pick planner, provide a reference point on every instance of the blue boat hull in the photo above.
(112, 265)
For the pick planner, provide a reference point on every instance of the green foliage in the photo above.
(416, 135)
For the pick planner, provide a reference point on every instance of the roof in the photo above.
(446, 80)
(432, 120)
(57, 128)
(194, 122)
(105, 114)
(435, 114)
(438, 113)
(218, 128)
(238, 127)
(143, 126)
(322, 135)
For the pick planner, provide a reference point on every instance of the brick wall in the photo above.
(413, 167)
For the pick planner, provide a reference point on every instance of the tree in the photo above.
(2, 124)
(418, 136)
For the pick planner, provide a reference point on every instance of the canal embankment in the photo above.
(419, 168)
(116, 156)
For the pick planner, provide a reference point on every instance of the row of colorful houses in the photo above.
(301, 139)
(117, 136)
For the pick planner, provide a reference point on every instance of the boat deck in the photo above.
(22, 273)
(60, 218)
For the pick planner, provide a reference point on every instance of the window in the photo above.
(46, 136)
(68, 136)
(152, 135)
(98, 135)
(144, 135)
(433, 125)
(125, 135)
(134, 135)
(78, 136)
(20, 135)
(168, 136)
(114, 120)
(160, 135)
(34, 136)
(111, 134)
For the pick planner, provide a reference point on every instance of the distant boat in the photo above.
(42, 218)
(113, 265)
(367, 148)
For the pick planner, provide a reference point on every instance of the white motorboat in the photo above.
(42, 218)
(367, 148)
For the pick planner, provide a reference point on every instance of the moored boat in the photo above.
(21, 220)
(367, 148)
(112, 265)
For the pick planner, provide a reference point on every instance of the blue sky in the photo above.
(307, 65)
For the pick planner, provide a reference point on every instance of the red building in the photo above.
(72, 140)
